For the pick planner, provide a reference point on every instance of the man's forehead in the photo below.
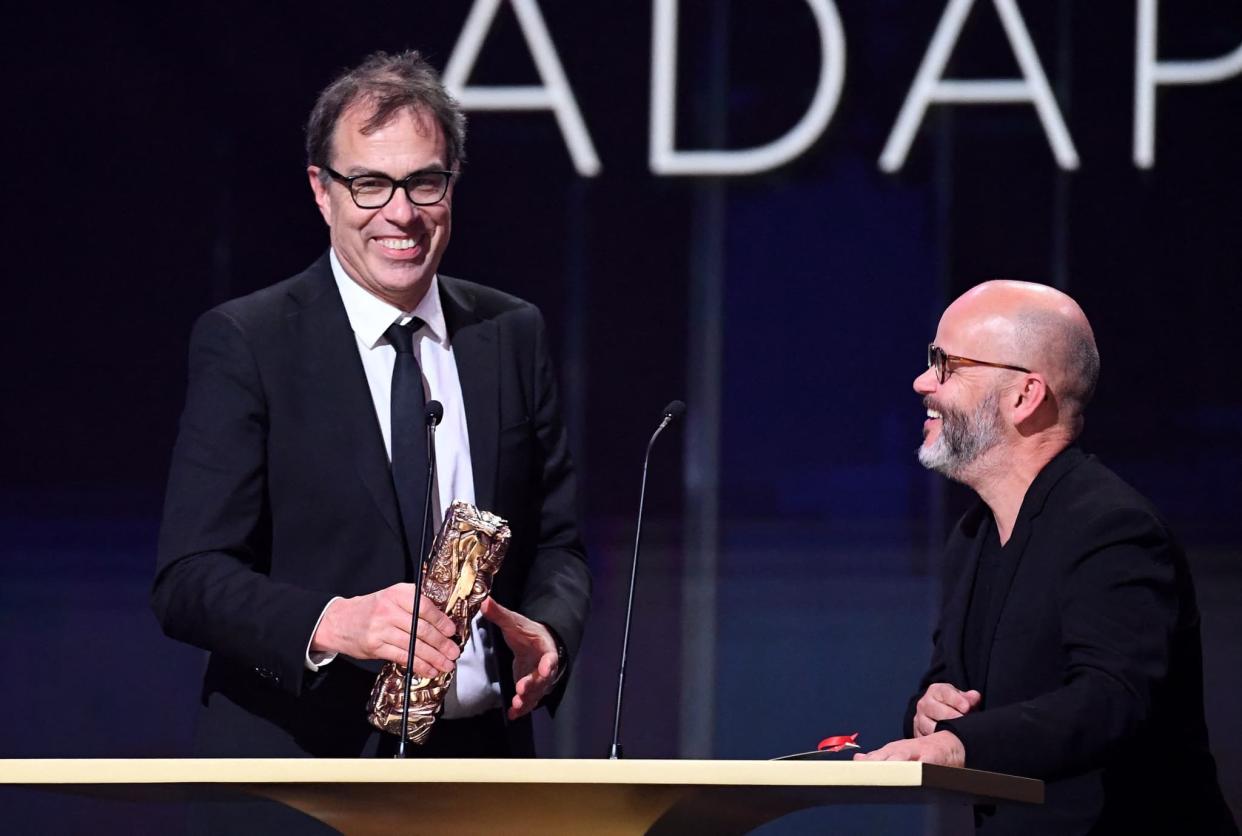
(970, 326)
(407, 139)
(363, 119)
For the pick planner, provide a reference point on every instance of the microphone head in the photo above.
(434, 413)
(674, 410)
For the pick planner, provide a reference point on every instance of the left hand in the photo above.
(942, 747)
(535, 663)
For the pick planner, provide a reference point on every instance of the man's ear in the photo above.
(1029, 396)
(321, 193)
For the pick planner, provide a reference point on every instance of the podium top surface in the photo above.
(699, 773)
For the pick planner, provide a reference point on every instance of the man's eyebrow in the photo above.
(360, 171)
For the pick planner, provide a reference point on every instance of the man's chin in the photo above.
(935, 457)
(406, 283)
(401, 271)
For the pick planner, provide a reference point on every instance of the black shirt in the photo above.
(981, 610)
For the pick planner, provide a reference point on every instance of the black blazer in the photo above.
(1094, 677)
(280, 497)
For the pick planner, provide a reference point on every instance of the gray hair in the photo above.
(389, 84)
(1070, 347)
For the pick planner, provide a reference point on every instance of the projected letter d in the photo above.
(665, 159)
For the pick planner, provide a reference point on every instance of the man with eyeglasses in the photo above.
(1068, 646)
(288, 542)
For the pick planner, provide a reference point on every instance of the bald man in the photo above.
(1068, 647)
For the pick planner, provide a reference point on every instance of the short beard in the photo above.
(964, 437)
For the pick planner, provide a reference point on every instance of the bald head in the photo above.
(1038, 327)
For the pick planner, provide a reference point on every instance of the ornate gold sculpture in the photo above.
(463, 561)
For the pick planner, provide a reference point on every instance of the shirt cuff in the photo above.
(316, 660)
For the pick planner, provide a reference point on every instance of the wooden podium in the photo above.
(383, 797)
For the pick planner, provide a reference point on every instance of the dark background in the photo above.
(154, 168)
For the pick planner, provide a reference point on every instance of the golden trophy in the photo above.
(463, 562)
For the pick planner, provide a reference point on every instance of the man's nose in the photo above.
(926, 383)
(400, 209)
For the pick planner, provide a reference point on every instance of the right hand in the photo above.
(377, 626)
(942, 701)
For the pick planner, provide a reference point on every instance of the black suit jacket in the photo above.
(280, 497)
(1092, 675)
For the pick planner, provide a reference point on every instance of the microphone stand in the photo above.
(672, 411)
(432, 416)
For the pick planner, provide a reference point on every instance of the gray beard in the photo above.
(964, 437)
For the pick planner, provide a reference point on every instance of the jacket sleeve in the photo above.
(1119, 610)
(211, 585)
(558, 588)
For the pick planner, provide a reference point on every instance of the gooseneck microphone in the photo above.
(672, 412)
(432, 415)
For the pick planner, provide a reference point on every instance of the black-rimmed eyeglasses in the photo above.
(373, 191)
(941, 362)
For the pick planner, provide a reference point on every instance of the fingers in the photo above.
(529, 693)
(435, 639)
(945, 694)
(532, 688)
(435, 649)
(392, 644)
(927, 716)
(433, 615)
(500, 615)
(540, 678)
(529, 640)
(399, 598)
(942, 701)
(422, 670)
(394, 647)
(524, 699)
(949, 750)
(377, 626)
(898, 750)
(436, 644)
(519, 707)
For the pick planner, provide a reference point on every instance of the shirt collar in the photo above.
(370, 316)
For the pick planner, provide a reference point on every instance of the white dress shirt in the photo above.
(473, 690)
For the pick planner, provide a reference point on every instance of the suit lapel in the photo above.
(330, 354)
(476, 351)
(1015, 549)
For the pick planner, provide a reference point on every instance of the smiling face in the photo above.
(957, 438)
(393, 251)
(1001, 415)
(964, 416)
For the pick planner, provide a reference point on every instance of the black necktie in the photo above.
(409, 433)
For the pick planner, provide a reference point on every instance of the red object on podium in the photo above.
(838, 742)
